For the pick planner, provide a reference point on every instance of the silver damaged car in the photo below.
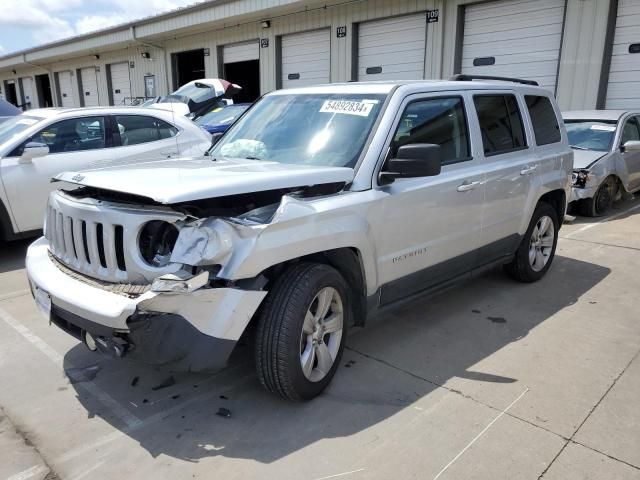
(318, 208)
(607, 157)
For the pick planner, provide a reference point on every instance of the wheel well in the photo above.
(558, 200)
(347, 261)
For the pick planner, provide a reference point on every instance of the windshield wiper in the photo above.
(252, 158)
(579, 148)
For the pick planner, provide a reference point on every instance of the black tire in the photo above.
(520, 268)
(279, 332)
(601, 202)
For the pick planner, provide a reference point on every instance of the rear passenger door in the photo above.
(509, 165)
(430, 226)
(144, 137)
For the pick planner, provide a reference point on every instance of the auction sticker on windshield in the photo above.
(347, 107)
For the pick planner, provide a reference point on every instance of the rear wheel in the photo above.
(602, 200)
(538, 247)
(301, 331)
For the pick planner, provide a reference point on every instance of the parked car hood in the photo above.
(584, 158)
(181, 180)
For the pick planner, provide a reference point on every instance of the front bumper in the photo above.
(578, 193)
(186, 331)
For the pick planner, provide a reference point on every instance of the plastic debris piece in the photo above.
(134, 382)
(224, 412)
(222, 397)
(165, 383)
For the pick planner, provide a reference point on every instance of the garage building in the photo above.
(585, 51)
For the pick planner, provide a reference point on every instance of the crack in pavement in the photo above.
(515, 417)
(51, 474)
(601, 243)
(571, 439)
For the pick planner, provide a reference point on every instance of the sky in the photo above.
(29, 23)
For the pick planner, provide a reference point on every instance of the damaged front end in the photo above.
(156, 283)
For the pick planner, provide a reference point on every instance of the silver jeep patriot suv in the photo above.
(318, 208)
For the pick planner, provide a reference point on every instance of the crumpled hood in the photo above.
(181, 180)
(584, 158)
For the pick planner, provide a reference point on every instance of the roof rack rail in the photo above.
(462, 77)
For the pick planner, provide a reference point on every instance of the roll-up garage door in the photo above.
(89, 92)
(392, 48)
(241, 52)
(65, 83)
(306, 58)
(623, 90)
(27, 93)
(120, 82)
(514, 38)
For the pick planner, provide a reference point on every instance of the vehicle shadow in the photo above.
(402, 357)
(12, 254)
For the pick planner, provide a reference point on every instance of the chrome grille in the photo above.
(100, 239)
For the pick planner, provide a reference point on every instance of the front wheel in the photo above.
(602, 201)
(301, 331)
(538, 246)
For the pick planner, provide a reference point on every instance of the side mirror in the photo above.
(414, 160)
(215, 137)
(631, 146)
(33, 150)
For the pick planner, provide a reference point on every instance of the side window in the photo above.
(137, 129)
(630, 131)
(439, 121)
(543, 119)
(73, 135)
(500, 123)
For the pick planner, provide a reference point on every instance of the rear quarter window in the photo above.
(543, 118)
(500, 123)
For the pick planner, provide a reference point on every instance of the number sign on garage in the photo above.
(514, 38)
(120, 82)
(89, 77)
(392, 48)
(623, 90)
(306, 58)
(65, 85)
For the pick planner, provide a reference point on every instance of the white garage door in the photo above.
(392, 48)
(306, 58)
(241, 52)
(27, 92)
(514, 38)
(120, 82)
(66, 89)
(623, 90)
(89, 92)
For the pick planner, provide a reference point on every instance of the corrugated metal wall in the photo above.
(579, 70)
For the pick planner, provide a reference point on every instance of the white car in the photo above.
(606, 146)
(38, 145)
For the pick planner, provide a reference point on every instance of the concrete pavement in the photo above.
(490, 380)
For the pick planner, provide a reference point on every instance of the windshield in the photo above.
(15, 125)
(198, 92)
(591, 134)
(307, 129)
(222, 115)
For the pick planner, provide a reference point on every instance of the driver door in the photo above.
(74, 144)
(430, 226)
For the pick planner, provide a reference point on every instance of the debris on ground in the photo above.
(497, 319)
(222, 397)
(134, 382)
(82, 374)
(350, 363)
(224, 412)
(175, 397)
(167, 382)
(475, 311)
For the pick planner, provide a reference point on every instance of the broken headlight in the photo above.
(156, 241)
(580, 178)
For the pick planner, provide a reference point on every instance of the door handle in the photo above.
(466, 186)
(169, 153)
(528, 170)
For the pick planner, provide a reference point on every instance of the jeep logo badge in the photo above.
(77, 178)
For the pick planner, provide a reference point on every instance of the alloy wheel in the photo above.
(541, 243)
